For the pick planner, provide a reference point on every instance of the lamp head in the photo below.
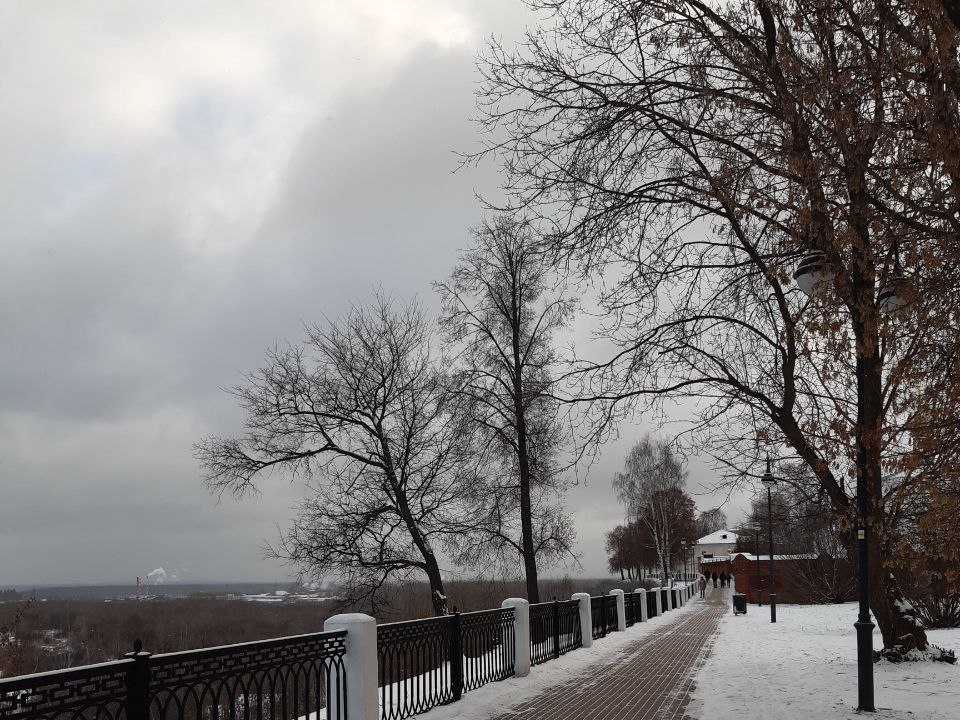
(768, 478)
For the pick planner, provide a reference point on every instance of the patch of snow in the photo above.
(805, 666)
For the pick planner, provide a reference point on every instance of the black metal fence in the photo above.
(543, 625)
(569, 616)
(280, 679)
(598, 615)
(425, 663)
(631, 601)
(421, 664)
(413, 660)
(554, 630)
(489, 646)
(603, 611)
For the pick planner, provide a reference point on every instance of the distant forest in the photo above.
(36, 636)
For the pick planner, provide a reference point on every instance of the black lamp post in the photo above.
(756, 554)
(770, 481)
(813, 270)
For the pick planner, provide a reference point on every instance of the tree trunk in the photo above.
(523, 456)
(526, 523)
(431, 567)
(438, 597)
(900, 632)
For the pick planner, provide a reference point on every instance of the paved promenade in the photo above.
(649, 680)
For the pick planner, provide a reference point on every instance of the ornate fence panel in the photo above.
(542, 627)
(488, 646)
(413, 659)
(610, 617)
(631, 608)
(282, 679)
(569, 626)
(651, 603)
(598, 615)
(664, 599)
(92, 692)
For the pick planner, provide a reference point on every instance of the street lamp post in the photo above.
(813, 270)
(770, 481)
(756, 555)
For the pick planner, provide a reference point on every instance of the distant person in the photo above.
(703, 585)
(730, 579)
(713, 576)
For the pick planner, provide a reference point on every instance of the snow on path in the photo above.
(493, 699)
(804, 666)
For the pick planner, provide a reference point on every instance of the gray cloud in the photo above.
(180, 192)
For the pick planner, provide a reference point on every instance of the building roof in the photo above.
(762, 558)
(718, 538)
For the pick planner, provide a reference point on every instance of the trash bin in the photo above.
(739, 603)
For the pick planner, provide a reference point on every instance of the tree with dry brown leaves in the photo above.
(690, 154)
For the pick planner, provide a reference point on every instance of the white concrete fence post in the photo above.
(659, 595)
(586, 619)
(643, 603)
(521, 635)
(359, 666)
(621, 609)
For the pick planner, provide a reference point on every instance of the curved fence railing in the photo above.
(288, 677)
(631, 602)
(598, 625)
(281, 679)
(92, 692)
(543, 625)
(610, 614)
(568, 612)
(489, 646)
(413, 660)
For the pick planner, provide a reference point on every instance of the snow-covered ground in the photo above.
(804, 666)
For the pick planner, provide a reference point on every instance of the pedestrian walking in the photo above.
(703, 585)
(713, 576)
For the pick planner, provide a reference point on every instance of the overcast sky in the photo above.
(182, 186)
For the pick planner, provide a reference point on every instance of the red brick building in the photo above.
(751, 575)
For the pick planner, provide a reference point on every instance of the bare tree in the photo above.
(696, 152)
(360, 411)
(500, 311)
(710, 521)
(651, 488)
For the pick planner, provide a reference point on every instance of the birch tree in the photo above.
(651, 487)
(500, 313)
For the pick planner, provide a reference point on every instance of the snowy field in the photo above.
(804, 667)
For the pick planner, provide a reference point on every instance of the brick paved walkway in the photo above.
(650, 680)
